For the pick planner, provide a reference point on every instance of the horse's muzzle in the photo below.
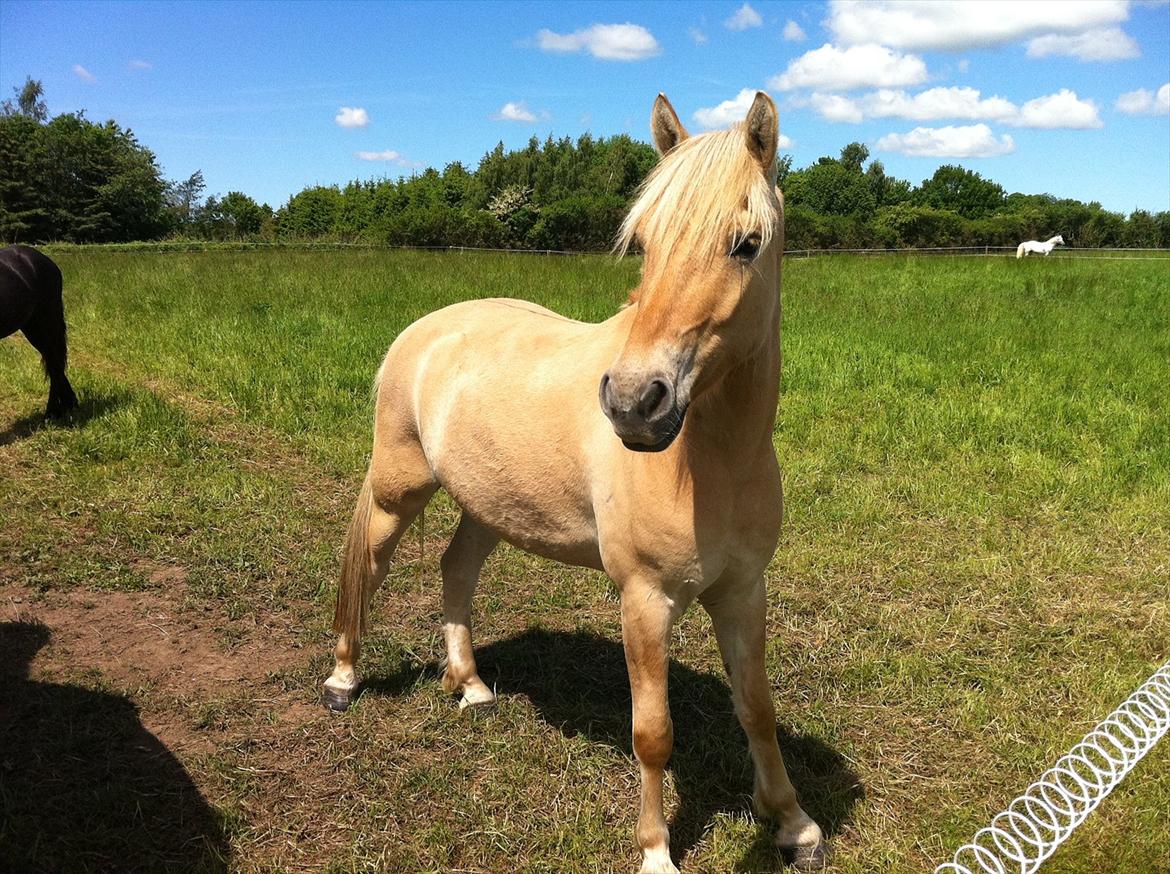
(646, 418)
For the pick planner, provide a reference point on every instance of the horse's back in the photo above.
(482, 335)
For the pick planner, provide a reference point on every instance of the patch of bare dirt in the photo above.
(152, 640)
(147, 637)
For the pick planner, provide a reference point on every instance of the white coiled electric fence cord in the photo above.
(1037, 822)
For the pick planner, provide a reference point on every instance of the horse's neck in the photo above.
(741, 406)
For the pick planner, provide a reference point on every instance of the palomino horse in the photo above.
(30, 301)
(669, 484)
(1039, 248)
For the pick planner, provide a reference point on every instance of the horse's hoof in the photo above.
(475, 699)
(811, 858)
(336, 701)
(59, 413)
(657, 862)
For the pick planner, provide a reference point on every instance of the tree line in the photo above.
(69, 179)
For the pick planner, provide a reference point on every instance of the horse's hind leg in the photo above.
(461, 564)
(45, 330)
(397, 487)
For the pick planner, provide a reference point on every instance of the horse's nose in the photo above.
(641, 405)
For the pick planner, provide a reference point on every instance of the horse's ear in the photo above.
(762, 129)
(664, 124)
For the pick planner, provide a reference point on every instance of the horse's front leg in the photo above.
(647, 617)
(738, 611)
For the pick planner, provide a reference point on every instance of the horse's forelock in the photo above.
(694, 199)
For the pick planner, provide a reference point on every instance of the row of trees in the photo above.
(564, 195)
(71, 179)
(67, 178)
(555, 195)
(844, 203)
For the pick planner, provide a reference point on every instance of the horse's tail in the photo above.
(349, 617)
(1020, 251)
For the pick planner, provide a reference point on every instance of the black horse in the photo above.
(30, 301)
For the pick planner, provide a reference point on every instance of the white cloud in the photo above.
(866, 66)
(744, 18)
(730, 112)
(726, 113)
(930, 105)
(81, 73)
(954, 25)
(1137, 102)
(384, 155)
(517, 111)
(1104, 44)
(140, 65)
(609, 42)
(697, 36)
(834, 107)
(352, 116)
(969, 141)
(793, 32)
(1143, 102)
(1061, 110)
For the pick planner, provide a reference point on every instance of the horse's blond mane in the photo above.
(705, 191)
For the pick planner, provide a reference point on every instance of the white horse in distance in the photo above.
(1038, 247)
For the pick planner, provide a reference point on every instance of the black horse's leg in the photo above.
(46, 331)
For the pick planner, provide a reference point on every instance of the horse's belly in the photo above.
(539, 514)
(525, 482)
(505, 430)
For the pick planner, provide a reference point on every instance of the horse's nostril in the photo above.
(656, 400)
(603, 394)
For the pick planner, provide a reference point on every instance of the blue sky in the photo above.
(1061, 97)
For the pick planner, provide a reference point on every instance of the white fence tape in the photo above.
(1035, 824)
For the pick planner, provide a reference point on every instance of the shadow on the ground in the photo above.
(90, 406)
(578, 683)
(84, 786)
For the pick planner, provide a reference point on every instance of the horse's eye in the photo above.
(747, 248)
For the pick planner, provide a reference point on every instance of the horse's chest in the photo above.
(690, 538)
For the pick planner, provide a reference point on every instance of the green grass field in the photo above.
(974, 569)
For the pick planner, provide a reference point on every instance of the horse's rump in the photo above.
(29, 280)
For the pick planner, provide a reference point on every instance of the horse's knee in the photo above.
(653, 741)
